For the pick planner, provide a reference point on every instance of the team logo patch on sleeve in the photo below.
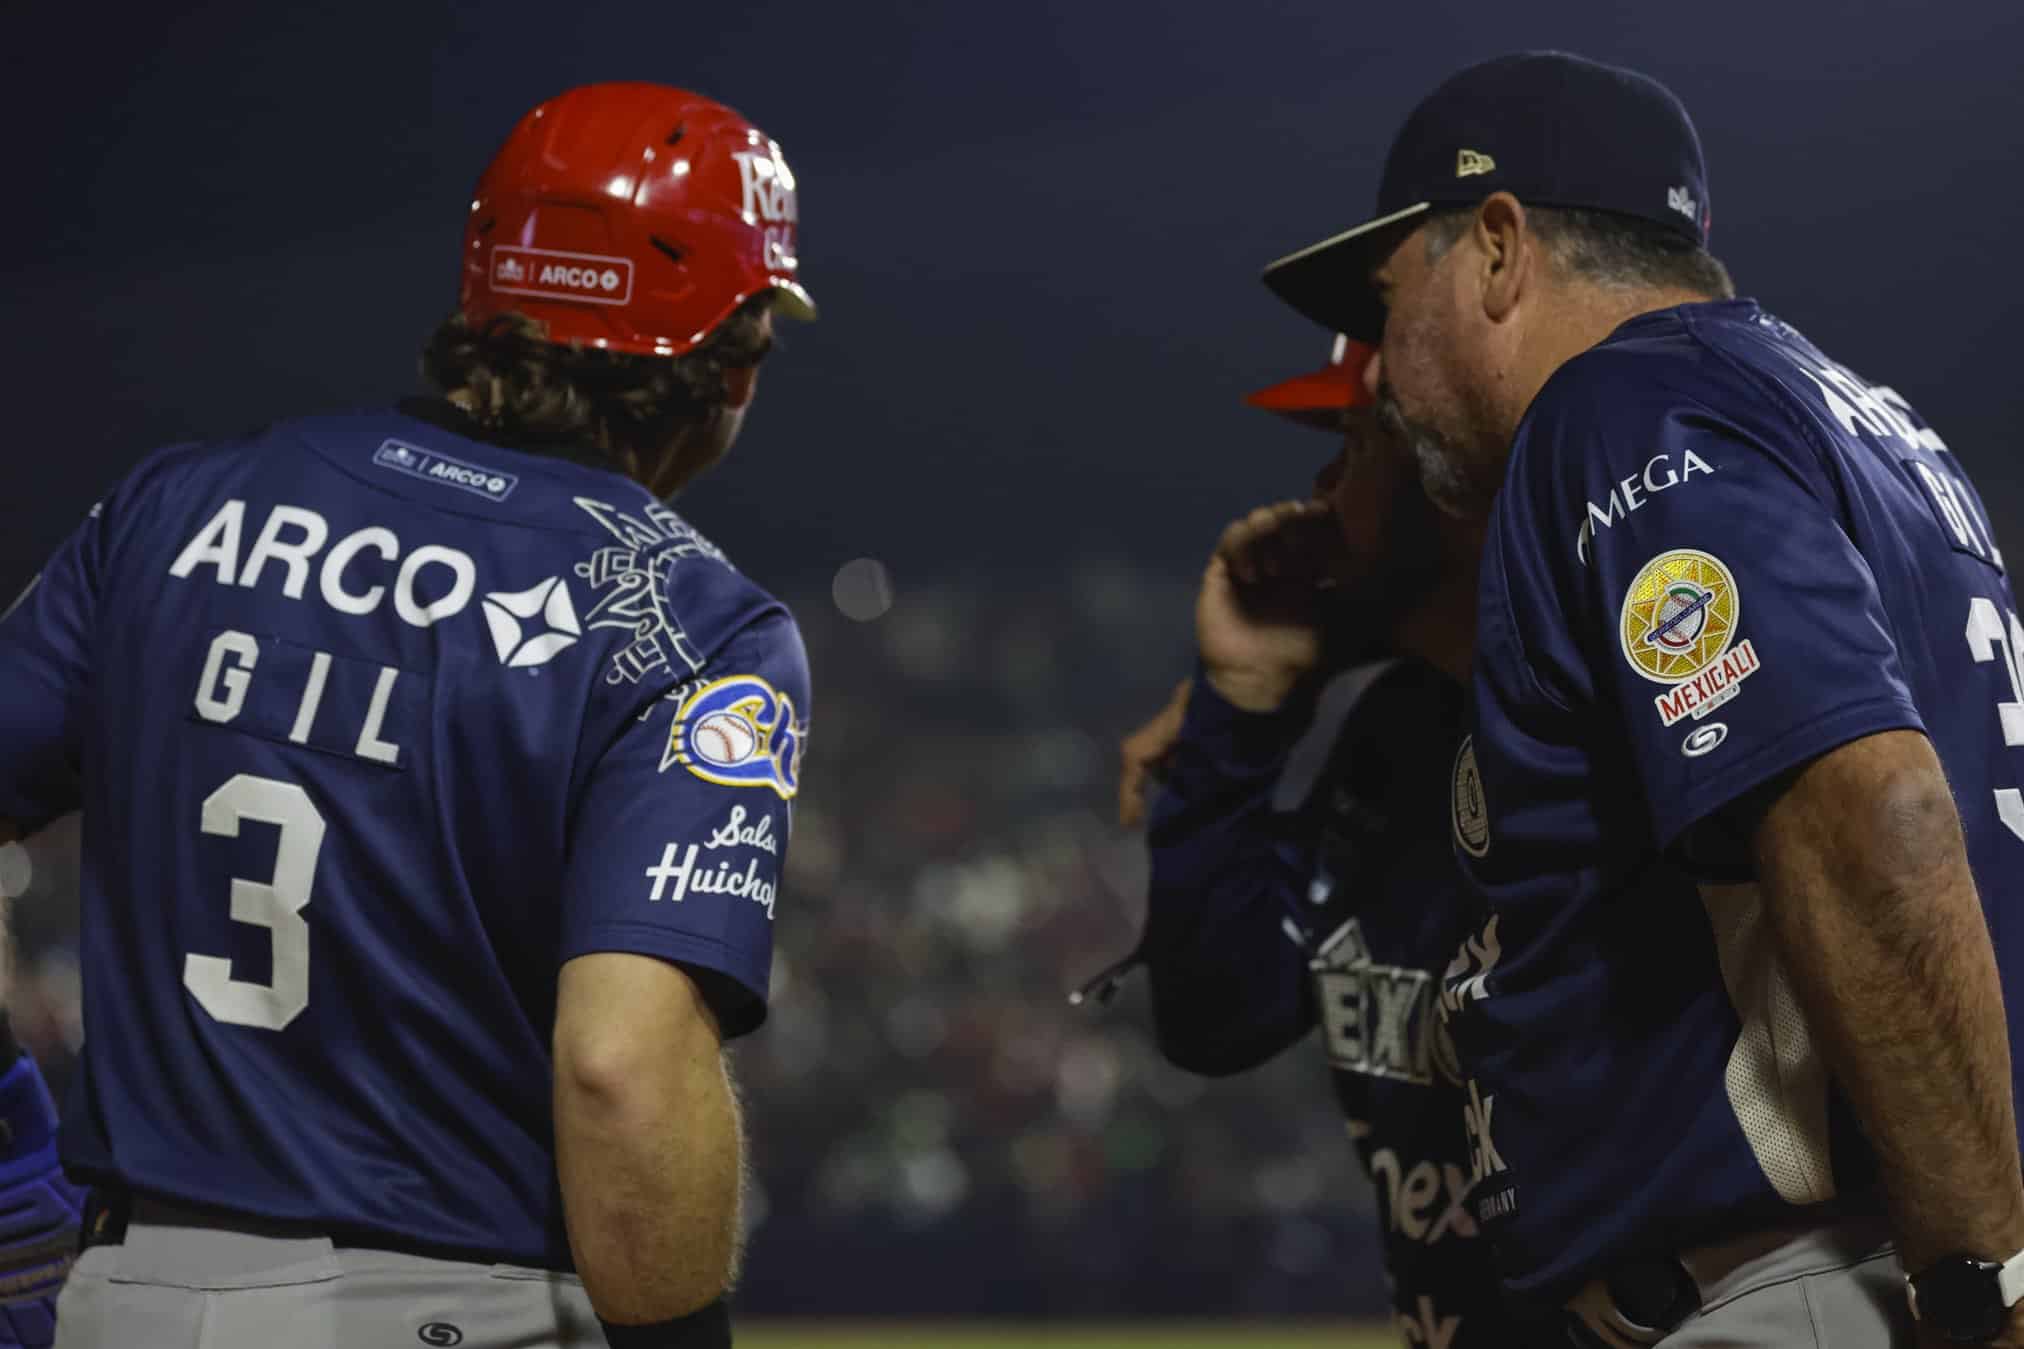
(739, 732)
(1470, 811)
(1679, 628)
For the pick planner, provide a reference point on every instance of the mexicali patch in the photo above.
(739, 732)
(1678, 628)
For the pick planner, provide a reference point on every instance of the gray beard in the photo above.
(1447, 474)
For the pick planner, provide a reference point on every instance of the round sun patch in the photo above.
(1679, 615)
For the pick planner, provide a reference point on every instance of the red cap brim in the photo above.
(1320, 397)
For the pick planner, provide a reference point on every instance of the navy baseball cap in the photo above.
(1550, 128)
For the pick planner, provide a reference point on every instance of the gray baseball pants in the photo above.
(1834, 1287)
(182, 1281)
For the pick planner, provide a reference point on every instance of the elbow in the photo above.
(1907, 840)
(618, 1073)
(1874, 822)
(605, 1073)
(630, 1031)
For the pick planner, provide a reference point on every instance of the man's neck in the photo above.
(1580, 317)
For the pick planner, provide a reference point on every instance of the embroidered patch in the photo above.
(1677, 628)
(1469, 810)
(739, 732)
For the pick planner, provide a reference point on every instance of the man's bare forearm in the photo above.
(650, 1153)
(1875, 913)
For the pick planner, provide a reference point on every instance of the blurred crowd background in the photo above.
(1035, 233)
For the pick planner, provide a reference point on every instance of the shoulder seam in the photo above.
(1778, 393)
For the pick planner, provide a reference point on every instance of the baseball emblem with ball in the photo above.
(739, 732)
(723, 739)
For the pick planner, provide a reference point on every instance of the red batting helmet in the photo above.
(633, 217)
(1320, 398)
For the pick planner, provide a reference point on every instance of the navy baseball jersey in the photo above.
(373, 726)
(1717, 555)
(1311, 883)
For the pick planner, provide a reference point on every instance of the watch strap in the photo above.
(2010, 1280)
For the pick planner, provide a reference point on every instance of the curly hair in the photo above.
(533, 391)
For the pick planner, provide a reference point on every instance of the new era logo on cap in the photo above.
(1571, 134)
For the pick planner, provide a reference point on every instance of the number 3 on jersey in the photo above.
(1988, 639)
(275, 904)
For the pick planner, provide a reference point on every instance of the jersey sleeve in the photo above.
(45, 679)
(1691, 566)
(1229, 986)
(681, 834)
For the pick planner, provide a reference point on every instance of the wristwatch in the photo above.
(1966, 1300)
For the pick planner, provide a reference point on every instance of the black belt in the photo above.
(106, 1214)
(109, 1209)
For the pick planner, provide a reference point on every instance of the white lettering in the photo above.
(1484, 1158)
(734, 833)
(215, 545)
(578, 278)
(312, 698)
(1949, 508)
(1859, 407)
(1397, 999)
(768, 187)
(369, 745)
(462, 568)
(468, 477)
(331, 579)
(211, 704)
(1377, 1019)
(746, 884)
(1663, 483)
(294, 535)
(778, 249)
(294, 556)
(1628, 487)
(1342, 1019)
(1625, 497)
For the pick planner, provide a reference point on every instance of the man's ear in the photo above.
(1505, 245)
(739, 384)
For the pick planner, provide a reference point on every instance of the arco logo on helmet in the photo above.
(553, 274)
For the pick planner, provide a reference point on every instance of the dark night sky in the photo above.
(1035, 230)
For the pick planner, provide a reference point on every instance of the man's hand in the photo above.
(1258, 615)
(1145, 754)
